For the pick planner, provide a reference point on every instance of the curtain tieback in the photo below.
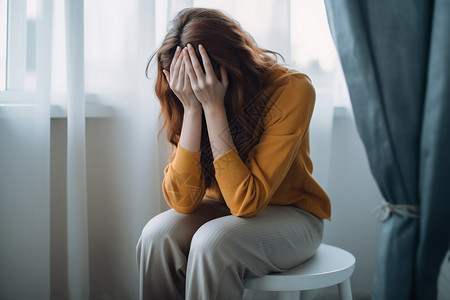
(385, 210)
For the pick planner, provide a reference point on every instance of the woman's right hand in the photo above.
(179, 83)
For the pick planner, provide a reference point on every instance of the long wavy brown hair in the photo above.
(250, 70)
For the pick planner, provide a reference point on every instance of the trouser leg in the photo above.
(163, 248)
(226, 250)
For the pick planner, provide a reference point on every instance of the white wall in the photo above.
(354, 196)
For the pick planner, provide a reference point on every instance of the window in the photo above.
(17, 46)
(298, 30)
(314, 53)
(3, 42)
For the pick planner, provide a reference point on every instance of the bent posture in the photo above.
(239, 184)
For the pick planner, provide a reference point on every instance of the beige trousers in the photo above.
(207, 254)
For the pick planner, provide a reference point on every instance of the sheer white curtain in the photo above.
(124, 161)
(77, 186)
(77, 189)
(77, 222)
(25, 169)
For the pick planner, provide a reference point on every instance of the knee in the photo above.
(212, 240)
(147, 239)
(153, 233)
(150, 232)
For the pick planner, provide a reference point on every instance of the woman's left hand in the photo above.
(209, 90)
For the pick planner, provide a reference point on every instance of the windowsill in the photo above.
(342, 111)
(93, 110)
(17, 104)
(97, 110)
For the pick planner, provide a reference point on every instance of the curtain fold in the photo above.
(434, 155)
(44, 14)
(393, 53)
(77, 220)
(25, 166)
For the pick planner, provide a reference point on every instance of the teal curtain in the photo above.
(396, 59)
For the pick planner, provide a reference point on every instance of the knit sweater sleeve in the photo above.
(247, 187)
(183, 185)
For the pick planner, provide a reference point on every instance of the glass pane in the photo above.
(30, 75)
(314, 53)
(3, 42)
(313, 50)
(268, 24)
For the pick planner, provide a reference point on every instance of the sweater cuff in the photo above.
(230, 169)
(186, 161)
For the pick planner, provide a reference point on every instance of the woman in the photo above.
(239, 181)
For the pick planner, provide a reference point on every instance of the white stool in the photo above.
(329, 266)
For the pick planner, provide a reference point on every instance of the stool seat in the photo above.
(329, 266)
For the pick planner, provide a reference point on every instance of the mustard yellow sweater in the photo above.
(278, 170)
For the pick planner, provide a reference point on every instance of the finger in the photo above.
(181, 76)
(187, 79)
(206, 62)
(223, 76)
(195, 63)
(188, 66)
(175, 57)
(176, 67)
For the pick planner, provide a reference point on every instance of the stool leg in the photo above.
(289, 295)
(345, 290)
(309, 294)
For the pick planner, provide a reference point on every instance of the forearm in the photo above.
(218, 130)
(191, 129)
(183, 184)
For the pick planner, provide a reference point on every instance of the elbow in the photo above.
(248, 211)
(183, 206)
(184, 210)
(252, 203)
(244, 214)
(183, 201)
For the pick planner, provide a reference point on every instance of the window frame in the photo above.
(4, 27)
(16, 54)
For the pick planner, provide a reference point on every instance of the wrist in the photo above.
(192, 109)
(214, 109)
